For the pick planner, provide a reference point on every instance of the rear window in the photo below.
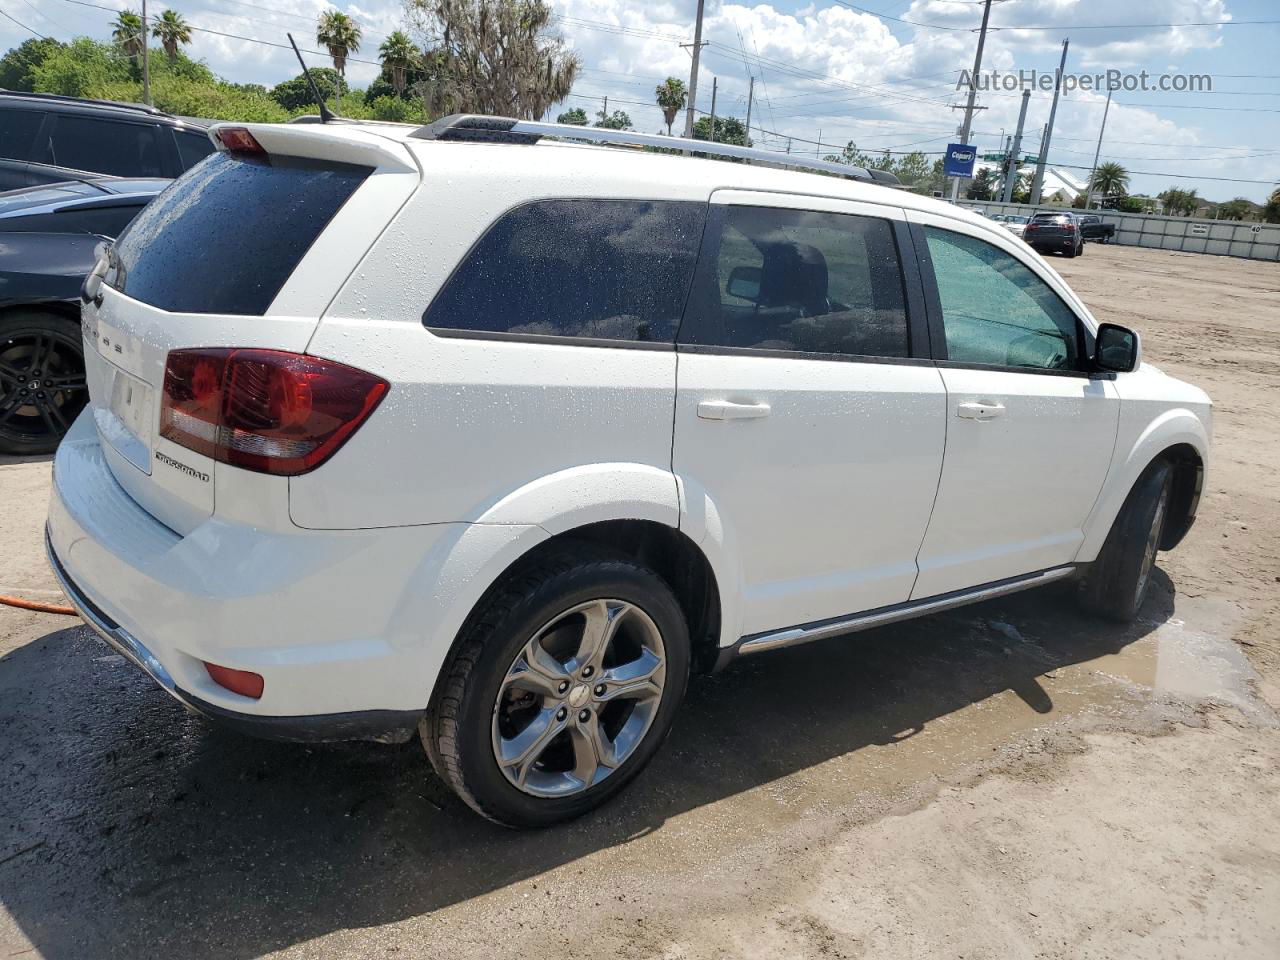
(594, 269)
(228, 233)
(1050, 218)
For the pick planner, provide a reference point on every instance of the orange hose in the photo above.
(38, 607)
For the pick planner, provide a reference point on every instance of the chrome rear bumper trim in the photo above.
(110, 631)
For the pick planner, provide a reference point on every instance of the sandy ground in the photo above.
(1008, 780)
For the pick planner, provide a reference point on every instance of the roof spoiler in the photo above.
(477, 128)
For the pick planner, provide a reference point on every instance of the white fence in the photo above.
(1228, 238)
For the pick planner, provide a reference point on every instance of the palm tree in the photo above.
(672, 98)
(398, 55)
(1110, 180)
(128, 33)
(173, 31)
(340, 35)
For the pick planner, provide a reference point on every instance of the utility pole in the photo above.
(973, 90)
(817, 151)
(693, 75)
(714, 82)
(1088, 200)
(1038, 183)
(751, 90)
(146, 58)
(1011, 178)
(788, 144)
(604, 114)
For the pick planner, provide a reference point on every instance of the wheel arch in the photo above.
(1177, 436)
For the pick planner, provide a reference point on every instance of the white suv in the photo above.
(466, 430)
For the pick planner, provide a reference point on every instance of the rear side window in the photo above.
(17, 130)
(192, 147)
(226, 235)
(113, 147)
(598, 269)
(800, 281)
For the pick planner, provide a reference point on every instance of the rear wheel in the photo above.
(1118, 580)
(560, 690)
(42, 382)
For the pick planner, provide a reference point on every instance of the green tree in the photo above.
(983, 186)
(173, 31)
(18, 66)
(672, 98)
(1179, 202)
(618, 120)
(850, 155)
(1133, 204)
(914, 170)
(1235, 209)
(295, 94)
(577, 116)
(398, 56)
(1110, 179)
(340, 35)
(494, 56)
(128, 34)
(728, 130)
(1271, 211)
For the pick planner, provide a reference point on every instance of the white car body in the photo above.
(814, 489)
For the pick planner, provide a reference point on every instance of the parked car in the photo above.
(100, 205)
(1054, 233)
(1015, 224)
(1093, 228)
(52, 139)
(48, 239)
(365, 455)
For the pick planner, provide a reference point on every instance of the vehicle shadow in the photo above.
(8, 459)
(130, 828)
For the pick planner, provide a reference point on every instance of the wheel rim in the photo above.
(42, 384)
(579, 698)
(1153, 543)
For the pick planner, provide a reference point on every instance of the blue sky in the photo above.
(838, 71)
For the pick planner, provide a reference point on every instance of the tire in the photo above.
(1117, 582)
(42, 381)
(1071, 254)
(479, 713)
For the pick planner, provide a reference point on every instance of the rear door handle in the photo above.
(727, 410)
(980, 411)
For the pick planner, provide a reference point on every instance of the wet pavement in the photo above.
(129, 827)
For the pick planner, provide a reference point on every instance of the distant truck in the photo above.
(1092, 228)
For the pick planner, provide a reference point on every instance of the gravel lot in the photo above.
(1012, 779)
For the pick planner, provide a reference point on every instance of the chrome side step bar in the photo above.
(791, 636)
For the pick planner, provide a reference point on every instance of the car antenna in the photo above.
(325, 115)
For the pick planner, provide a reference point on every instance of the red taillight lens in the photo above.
(264, 410)
(243, 682)
(240, 142)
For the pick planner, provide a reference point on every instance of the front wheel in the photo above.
(561, 688)
(1118, 580)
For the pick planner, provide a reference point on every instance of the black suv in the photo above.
(49, 139)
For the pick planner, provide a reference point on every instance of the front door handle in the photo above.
(980, 411)
(728, 410)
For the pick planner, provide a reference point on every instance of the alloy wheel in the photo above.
(42, 384)
(579, 698)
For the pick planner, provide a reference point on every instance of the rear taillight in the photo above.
(264, 410)
(241, 143)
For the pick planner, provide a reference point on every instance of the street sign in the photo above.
(1030, 159)
(993, 157)
(959, 160)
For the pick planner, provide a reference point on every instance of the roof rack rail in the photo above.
(62, 98)
(477, 128)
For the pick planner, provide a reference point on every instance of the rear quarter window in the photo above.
(18, 130)
(226, 235)
(590, 269)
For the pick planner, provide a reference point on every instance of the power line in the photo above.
(23, 25)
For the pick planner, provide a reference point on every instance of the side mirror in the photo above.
(1117, 349)
(744, 283)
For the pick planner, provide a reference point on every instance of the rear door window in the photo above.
(18, 130)
(114, 147)
(589, 269)
(800, 281)
(226, 235)
(192, 147)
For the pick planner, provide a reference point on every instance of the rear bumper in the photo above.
(338, 623)
(386, 725)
